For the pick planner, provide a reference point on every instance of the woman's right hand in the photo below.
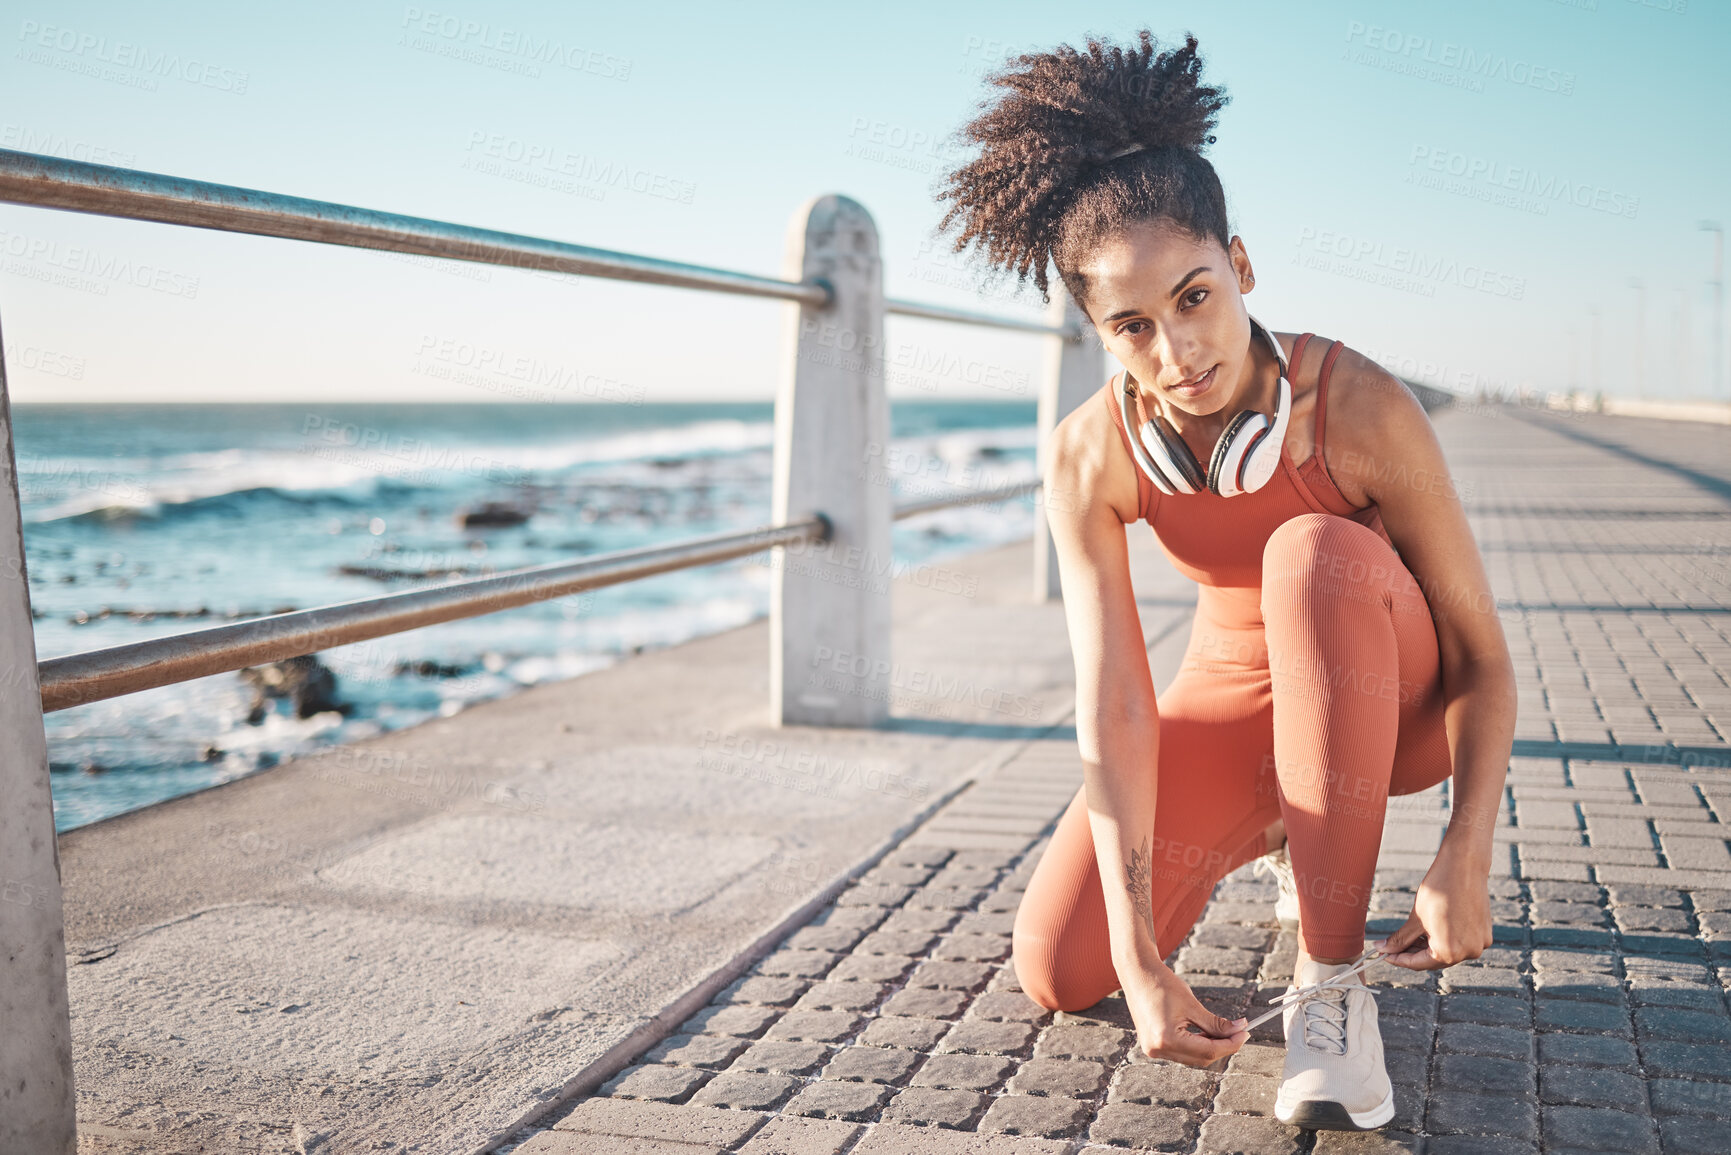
(1167, 1016)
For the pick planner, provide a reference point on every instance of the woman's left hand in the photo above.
(1451, 915)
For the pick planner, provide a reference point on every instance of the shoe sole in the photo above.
(1327, 1115)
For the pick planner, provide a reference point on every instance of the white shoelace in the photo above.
(1324, 1018)
(1308, 995)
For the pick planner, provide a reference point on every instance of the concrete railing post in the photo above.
(1074, 371)
(830, 602)
(37, 1113)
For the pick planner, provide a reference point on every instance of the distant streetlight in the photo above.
(1640, 287)
(1718, 283)
(1593, 350)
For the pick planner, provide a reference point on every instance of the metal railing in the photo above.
(831, 422)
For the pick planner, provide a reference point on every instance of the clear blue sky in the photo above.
(1511, 166)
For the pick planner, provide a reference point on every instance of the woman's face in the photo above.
(1171, 309)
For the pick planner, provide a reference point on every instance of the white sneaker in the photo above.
(1334, 1078)
(1279, 864)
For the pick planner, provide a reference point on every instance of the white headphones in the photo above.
(1245, 456)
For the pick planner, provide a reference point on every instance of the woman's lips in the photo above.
(1199, 388)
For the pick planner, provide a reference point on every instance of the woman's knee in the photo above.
(1321, 554)
(1324, 541)
(1037, 973)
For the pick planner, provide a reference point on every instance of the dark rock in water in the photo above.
(304, 680)
(95, 768)
(991, 451)
(386, 574)
(210, 754)
(142, 615)
(493, 513)
(427, 668)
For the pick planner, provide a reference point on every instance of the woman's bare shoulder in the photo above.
(1368, 408)
(1364, 395)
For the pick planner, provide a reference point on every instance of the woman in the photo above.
(1345, 644)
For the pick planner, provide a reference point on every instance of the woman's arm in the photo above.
(1382, 443)
(1117, 722)
(1090, 493)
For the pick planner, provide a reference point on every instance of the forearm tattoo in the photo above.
(1140, 870)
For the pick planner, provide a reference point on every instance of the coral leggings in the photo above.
(1311, 700)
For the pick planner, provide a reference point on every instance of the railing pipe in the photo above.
(1064, 329)
(978, 497)
(52, 182)
(108, 673)
(94, 675)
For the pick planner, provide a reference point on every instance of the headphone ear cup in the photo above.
(1161, 459)
(1179, 453)
(1262, 457)
(1224, 460)
(1261, 462)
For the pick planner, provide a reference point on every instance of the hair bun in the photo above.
(1059, 118)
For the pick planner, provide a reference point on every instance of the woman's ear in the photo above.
(1241, 265)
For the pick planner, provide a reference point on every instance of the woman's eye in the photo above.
(1195, 296)
(1129, 330)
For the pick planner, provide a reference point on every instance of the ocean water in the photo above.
(148, 520)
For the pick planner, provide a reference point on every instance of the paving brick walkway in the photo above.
(893, 1023)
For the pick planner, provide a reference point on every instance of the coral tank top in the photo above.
(1218, 541)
